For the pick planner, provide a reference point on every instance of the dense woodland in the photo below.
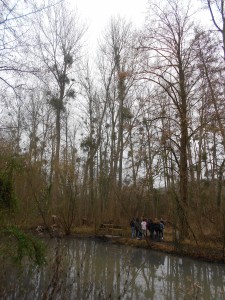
(133, 127)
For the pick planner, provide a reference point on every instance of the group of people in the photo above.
(141, 228)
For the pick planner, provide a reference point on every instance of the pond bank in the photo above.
(185, 249)
(211, 252)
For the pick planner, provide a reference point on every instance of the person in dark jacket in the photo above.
(138, 229)
(162, 226)
(132, 225)
(150, 228)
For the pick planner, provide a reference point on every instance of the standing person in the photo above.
(138, 229)
(144, 227)
(150, 227)
(132, 225)
(162, 226)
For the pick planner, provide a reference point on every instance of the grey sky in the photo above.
(98, 12)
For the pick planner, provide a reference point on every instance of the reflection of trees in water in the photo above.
(115, 272)
(104, 270)
(91, 270)
(189, 278)
(151, 274)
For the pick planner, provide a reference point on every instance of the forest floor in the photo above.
(207, 250)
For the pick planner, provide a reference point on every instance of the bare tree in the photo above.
(211, 67)
(14, 25)
(59, 39)
(93, 119)
(217, 12)
(118, 61)
(170, 65)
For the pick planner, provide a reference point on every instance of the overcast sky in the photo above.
(97, 13)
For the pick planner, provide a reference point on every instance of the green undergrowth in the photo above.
(18, 245)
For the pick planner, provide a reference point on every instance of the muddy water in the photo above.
(90, 269)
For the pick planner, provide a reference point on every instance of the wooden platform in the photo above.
(112, 230)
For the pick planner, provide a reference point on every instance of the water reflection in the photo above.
(90, 269)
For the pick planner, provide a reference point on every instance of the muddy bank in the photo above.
(202, 250)
(213, 255)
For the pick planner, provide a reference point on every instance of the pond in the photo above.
(93, 269)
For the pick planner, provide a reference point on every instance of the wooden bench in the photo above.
(111, 229)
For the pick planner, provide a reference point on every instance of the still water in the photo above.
(92, 269)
